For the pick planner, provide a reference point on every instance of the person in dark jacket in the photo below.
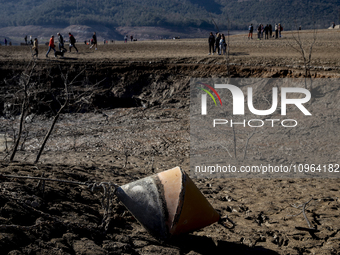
(211, 41)
(280, 29)
(72, 42)
(217, 43)
(251, 29)
(94, 41)
(61, 42)
(266, 32)
(259, 32)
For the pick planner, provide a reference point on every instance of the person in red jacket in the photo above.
(50, 45)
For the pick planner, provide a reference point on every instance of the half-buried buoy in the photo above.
(167, 203)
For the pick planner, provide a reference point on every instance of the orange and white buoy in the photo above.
(167, 204)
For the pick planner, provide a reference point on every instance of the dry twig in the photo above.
(303, 206)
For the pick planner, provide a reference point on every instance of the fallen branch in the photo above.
(108, 189)
(304, 213)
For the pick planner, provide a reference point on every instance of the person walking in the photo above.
(217, 43)
(259, 32)
(131, 37)
(280, 29)
(94, 41)
(35, 47)
(25, 39)
(125, 39)
(61, 42)
(266, 32)
(270, 30)
(251, 29)
(5, 41)
(211, 41)
(50, 45)
(222, 45)
(276, 32)
(72, 42)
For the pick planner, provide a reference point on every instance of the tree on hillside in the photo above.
(304, 47)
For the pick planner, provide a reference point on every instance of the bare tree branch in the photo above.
(245, 149)
(23, 111)
(55, 118)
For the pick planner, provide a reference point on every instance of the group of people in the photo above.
(61, 41)
(266, 30)
(30, 40)
(5, 42)
(217, 44)
(127, 37)
(51, 45)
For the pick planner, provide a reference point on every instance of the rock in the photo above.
(139, 243)
(228, 198)
(249, 242)
(229, 209)
(193, 253)
(155, 249)
(116, 247)
(87, 247)
(122, 238)
(15, 252)
(59, 243)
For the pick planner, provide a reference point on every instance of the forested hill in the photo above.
(168, 13)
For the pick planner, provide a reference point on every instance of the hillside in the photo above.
(166, 13)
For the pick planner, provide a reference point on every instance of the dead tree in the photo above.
(305, 50)
(246, 146)
(55, 118)
(215, 24)
(228, 50)
(24, 107)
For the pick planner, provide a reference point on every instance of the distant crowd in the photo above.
(218, 45)
(266, 30)
(6, 42)
(127, 37)
(61, 44)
